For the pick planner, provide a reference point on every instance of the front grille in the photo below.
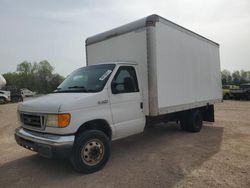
(35, 121)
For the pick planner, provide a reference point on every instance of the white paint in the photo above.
(128, 117)
(184, 72)
(129, 47)
(188, 69)
(83, 107)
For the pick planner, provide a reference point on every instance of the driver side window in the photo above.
(125, 80)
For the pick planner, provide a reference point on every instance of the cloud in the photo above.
(56, 30)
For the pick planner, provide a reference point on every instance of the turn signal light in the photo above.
(63, 120)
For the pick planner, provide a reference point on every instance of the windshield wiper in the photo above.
(71, 89)
(76, 87)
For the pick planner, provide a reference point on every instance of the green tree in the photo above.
(243, 76)
(35, 76)
(55, 81)
(236, 77)
(24, 67)
(226, 77)
(44, 73)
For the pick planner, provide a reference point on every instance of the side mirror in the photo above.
(113, 87)
(128, 84)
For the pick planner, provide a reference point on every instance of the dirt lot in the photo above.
(163, 156)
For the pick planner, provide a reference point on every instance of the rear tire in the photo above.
(91, 151)
(191, 121)
(195, 121)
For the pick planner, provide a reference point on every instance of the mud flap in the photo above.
(208, 113)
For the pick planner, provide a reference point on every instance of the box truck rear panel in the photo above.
(188, 69)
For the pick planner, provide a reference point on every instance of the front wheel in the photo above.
(91, 151)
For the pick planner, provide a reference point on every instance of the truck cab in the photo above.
(106, 98)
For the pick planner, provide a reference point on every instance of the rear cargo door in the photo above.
(126, 102)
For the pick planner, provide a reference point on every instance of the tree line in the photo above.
(36, 76)
(235, 78)
(40, 77)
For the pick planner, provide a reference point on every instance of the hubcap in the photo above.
(92, 152)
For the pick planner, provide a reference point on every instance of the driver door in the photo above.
(126, 102)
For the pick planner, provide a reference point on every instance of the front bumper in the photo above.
(46, 145)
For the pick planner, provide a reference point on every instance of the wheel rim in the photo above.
(92, 152)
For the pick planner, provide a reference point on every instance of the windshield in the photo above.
(87, 79)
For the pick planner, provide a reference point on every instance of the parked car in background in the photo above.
(15, 93)
(27, 93)
(4, 96)
(243, 92)
(226, 91)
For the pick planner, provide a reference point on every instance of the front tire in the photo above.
(91, 151)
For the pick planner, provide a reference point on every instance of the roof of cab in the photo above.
(117, 63)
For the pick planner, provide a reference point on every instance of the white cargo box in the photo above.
(178, 68)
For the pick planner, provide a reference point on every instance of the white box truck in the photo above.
(145, 71)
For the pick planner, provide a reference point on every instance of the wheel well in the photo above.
(98, 124)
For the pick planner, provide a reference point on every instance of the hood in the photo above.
(61, 102)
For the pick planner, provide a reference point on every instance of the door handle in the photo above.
(141, 105)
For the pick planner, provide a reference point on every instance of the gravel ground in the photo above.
(162, 156)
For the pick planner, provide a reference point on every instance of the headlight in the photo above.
(58, 120)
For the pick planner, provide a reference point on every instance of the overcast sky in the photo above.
(36, 30)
